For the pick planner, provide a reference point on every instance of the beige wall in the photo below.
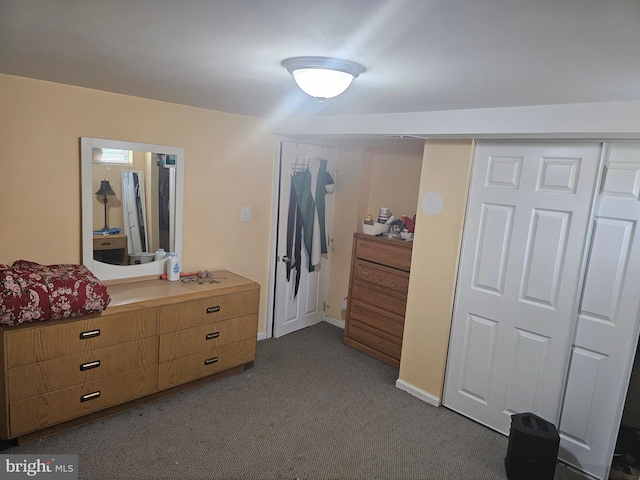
(229, 164)
(446, 169)
(395, 179)
(351, 169)
(368, 178)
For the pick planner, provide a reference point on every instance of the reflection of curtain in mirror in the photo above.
(151, 195)
(134, 213)
(164, 201)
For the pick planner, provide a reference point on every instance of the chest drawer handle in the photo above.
(211, 336)
(209, 361)
(90, 396)
(89, 365)
(213, 309)
(89, 334)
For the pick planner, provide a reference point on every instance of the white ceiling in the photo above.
(420, 55)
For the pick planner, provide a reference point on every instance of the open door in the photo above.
(300, 294)
(134, 211)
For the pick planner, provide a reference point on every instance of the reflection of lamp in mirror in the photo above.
(105, 190)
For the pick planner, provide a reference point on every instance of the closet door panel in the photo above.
(582, 396)
(493, 246)
(608, 320)
(526, 382)
(478, 358)
(520, 277)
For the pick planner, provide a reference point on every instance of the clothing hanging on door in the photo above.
(306, 220)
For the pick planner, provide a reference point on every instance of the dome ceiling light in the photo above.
(322, 77)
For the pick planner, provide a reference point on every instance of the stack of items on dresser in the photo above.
(389, 226)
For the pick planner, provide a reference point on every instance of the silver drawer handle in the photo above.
(211, 336)
(89, 334)
(213, 309)
(89, 365)
(209, 361)
(90, 396)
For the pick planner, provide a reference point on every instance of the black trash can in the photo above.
(533, 448)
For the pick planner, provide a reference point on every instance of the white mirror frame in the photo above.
(106, 271)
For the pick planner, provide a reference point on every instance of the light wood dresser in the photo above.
(377, 301)
(155, 338)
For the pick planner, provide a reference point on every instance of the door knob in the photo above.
(286, 259)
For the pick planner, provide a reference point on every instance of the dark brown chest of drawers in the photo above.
(377, 301)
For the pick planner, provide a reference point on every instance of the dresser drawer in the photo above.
(49, 375)
(200, 312)
(364, 334)
(62, 405)
(197, 339)
(384, 277)
(40, 343)
(372, 294)
(377, 318)
(201, 364)
(396, 255)
(109, 242)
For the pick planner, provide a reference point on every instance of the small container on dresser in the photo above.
(377, 301)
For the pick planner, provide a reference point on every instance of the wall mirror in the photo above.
(132, 196)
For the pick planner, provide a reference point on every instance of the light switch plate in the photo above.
(245, 215)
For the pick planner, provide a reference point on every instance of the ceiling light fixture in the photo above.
(322, 77)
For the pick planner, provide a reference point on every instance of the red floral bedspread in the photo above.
(30, 292)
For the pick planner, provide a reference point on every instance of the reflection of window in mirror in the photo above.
(112, 155)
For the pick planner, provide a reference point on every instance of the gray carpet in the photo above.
(310, 408)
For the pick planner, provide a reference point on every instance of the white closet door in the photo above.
(519, 282)
(607, 331)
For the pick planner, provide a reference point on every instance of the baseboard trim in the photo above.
(418, 393)
(262, 336)
(334, 321)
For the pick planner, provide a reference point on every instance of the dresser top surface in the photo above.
(107, 237)
(133, 295)
(156, 292)
(396, 242)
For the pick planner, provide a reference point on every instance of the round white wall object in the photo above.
(432, 203)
